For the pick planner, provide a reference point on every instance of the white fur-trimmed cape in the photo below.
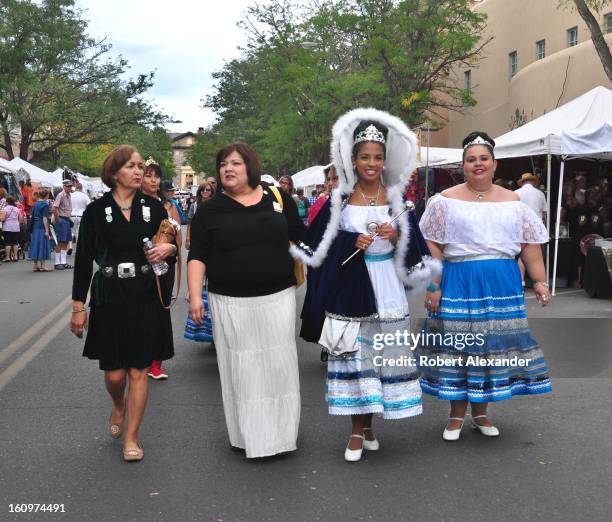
(400, 162)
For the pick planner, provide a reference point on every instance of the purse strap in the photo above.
(277, 196)
(178, 284)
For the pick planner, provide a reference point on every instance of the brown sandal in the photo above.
(133, 454)
(116, 429)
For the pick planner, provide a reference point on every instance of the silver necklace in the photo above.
(480, 194)
(124, 209)
(370, 200)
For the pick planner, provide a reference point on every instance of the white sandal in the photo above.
(354, 455)
(370, 445)
(488, 431)
(452, 435)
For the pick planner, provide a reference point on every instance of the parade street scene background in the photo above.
(326, 260)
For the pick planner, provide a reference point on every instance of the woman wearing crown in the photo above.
(478, 228)
(352, 301)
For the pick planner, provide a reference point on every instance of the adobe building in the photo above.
(541, 57)
(181, 143)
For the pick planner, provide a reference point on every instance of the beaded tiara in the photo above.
(478, 140)
(370, 133)
(150, 161)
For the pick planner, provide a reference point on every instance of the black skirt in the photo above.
(129, 335)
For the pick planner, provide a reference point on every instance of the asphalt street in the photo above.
(551, 462)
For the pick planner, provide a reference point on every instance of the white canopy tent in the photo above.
(57, 177)
(97, 186)
(310, 177)
(90, 185)
(10, 174)
(439, 157)
(432, 157)
(545, 135)
(582, 128)
(37, 175)
(5, 166)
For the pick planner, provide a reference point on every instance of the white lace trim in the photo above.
(452, 221)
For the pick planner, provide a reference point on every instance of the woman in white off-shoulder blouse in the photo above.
(479, 348)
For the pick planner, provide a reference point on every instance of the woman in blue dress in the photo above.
(481, 349)
(39, 250)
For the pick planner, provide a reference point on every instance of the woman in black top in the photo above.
(240, 240)
(128, 328)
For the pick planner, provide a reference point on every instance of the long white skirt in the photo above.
(258, 365)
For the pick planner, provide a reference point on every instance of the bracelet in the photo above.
(79, 311)
(543, 283)
(433, 287)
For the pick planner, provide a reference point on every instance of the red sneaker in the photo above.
(156, 371)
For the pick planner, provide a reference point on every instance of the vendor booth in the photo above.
(37, 175)
(579, 130)
(437, 169)
(8, 178)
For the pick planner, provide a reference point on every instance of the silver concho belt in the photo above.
(125, 270)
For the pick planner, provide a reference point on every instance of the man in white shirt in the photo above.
(534, 198)
(79, 201)
(530, 195)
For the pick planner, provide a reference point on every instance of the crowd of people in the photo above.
(364, 250)
(36, 224)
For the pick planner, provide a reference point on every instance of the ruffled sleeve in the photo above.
(534, 230)
(433, 221)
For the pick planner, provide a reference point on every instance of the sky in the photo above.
(184, 41)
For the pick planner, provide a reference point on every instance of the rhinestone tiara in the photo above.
(370, 133)
(150, 161)
(478, 140)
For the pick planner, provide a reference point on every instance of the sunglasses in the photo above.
(207, 190)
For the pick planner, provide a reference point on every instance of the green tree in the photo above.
(586, 9)
(201, 156)
(155, 144)
(58, 86)
(302, 68)
(87, 159)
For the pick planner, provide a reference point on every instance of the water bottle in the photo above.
(161, 267)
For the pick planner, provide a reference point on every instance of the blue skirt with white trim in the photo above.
(479, 347)
(200, 332)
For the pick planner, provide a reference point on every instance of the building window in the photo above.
(572, 36)
(608, 23)
(540, 49)
(467, 75)
(513, 63)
